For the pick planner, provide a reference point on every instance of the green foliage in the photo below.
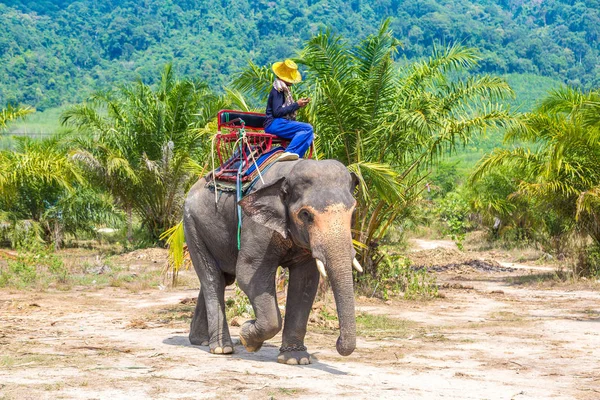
(514, 221)
(444, 178)
(11, 113)
(454, 211)
(395, 276)
(239, 305)
(387, 124)
(556, 176)
(141, 143)
(589, 262)
(35, 265)
(43, 194)
(382, 326)
(19, 233)
(174, 238)
(56, 51)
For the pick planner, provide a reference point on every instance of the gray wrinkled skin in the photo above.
(302, 212)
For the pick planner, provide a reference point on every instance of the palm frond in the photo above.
(174, 237)
(255, 81)
(11, 113)
(377, 179)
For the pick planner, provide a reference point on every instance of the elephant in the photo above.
(300, 218)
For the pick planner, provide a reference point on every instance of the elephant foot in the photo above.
(222, 350)
(293, 355)
(224, 345)
(198, 341)
(244, 334)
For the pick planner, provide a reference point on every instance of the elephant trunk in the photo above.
(340, 276)
(338, 265)
(331, 244)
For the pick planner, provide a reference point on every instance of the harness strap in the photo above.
(238, 185)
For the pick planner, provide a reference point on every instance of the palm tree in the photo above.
(11, 113)
(41, 188)
(141, 144)
(556, 152)
(387, 124)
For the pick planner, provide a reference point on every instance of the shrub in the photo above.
(588, 264)
(36, 265)
(454, 211)
(395, 276)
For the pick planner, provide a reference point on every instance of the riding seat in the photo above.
(241, 145)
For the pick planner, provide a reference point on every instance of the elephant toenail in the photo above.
(304, 361)
(227, 350)
(205, 343)
(218, 350)
(292, 361)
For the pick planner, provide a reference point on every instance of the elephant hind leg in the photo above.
(209, 323)
(199, 326)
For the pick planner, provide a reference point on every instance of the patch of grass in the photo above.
(434, 337)
(505, 316)
(35, 266)
(39, 267)
(287, 392)
(372, 325)
(52, 387)
(544, 277)
(26, 360)
(177, 313)
(6, 361)
(590, 313)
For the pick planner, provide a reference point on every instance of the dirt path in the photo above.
(426, 244)
(489, 337)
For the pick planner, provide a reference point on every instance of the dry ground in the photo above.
(495, 334)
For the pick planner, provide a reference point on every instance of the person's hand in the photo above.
(303, 102)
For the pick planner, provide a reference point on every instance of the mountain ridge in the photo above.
(58, 51)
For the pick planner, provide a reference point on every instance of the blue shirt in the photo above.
(276, 108)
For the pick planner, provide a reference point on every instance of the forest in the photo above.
(56, 52)
(126, 157)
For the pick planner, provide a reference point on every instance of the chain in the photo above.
(294, 347)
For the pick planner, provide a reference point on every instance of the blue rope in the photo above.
(238, 187)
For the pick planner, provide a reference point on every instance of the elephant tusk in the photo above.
(357, 265)
(321, 268)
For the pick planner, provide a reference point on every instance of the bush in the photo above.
(21, 233)
(454, 211)
(37, 265)
(395, 276)
(588, 264)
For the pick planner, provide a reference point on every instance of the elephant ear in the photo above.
(266, 207)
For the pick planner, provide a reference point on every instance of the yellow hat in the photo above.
(287, 71)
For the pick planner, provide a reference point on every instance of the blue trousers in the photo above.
(300, 133)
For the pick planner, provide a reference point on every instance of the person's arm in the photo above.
(279, 110)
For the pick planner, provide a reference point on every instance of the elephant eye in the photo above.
(305, 215)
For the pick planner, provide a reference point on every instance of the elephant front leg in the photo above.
(259, 285)
(199, 325)
(302, 288)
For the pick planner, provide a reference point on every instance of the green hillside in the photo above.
(56, 51)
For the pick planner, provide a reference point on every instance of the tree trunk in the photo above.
(129, 224)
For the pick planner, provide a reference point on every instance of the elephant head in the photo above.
(313, 206)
